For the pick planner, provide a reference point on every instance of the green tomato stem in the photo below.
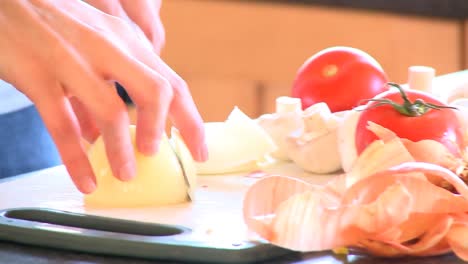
(407, 108)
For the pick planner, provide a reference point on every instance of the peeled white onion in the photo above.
(159, 180)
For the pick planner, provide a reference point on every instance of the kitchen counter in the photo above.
(455, 9)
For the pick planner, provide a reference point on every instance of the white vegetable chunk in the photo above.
(159, 179)
(346, 139)
(281, 124)
(315, 147)
(235, 145)
(462, 114)
(421, 78)
(286, 104)
(457, 92)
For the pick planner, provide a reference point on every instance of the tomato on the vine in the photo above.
(340, 77)
(412, 115)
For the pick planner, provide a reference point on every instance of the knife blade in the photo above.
(184, 172)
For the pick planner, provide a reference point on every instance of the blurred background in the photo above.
(246, 53)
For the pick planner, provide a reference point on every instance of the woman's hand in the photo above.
(65, 56)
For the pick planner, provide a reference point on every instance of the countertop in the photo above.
(452, 9)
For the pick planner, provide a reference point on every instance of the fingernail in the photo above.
(88, 187)
(202, 153)
(84, 179)
(127, 171)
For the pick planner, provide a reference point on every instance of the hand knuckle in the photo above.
(158, 92)
(166, 90)
(112, 112)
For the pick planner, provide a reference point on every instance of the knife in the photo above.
(174, 148)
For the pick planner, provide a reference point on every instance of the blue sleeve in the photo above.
(25, 144)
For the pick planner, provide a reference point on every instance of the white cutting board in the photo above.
(214, 215)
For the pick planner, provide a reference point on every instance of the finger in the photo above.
(156, 104)
(89, 129)
(185, 116)
(152, 95)
(113, 8)
(110, 116)
(183, 111)
(57, 114)
(33, 78)
(81, 80)
(150, 91)
(111, 119)
(101, 100)
(145, 13)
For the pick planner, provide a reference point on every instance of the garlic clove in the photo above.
(315, 147)
(462, 114)
(279, 127)
(459, 92)
(282, 123)
(346, 134)
(318, 155)
(421, 78)
(286, 104)
(316, 118)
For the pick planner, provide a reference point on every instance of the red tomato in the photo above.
(340, 77)
(441, 125)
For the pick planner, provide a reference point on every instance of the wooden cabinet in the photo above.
(246, 54)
